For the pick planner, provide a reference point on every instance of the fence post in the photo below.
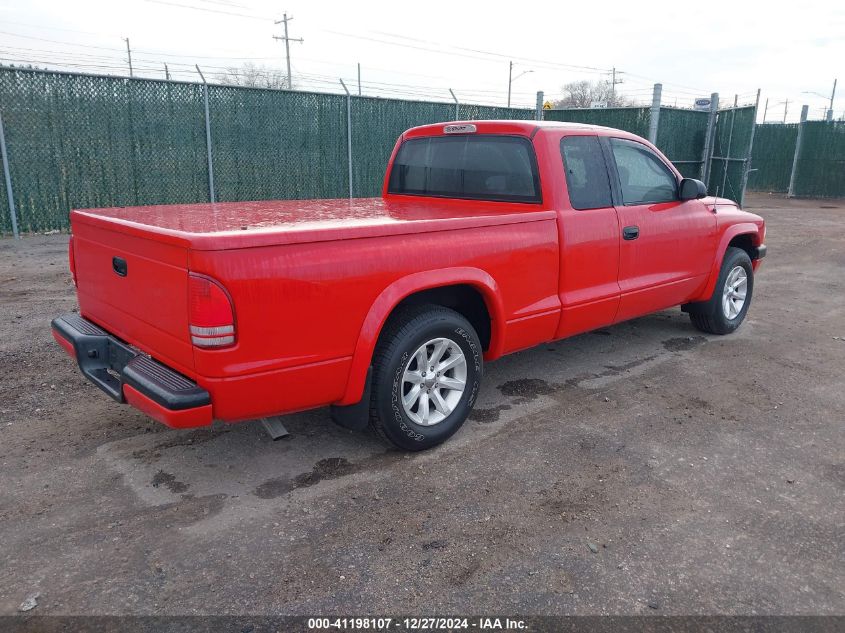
(791, 191)
(9, 194)
(747, 167)
(457, 105)
(727, 157)
(348, 134)
(707, 153)
(655, 113)
(538, 113)
(211, 195)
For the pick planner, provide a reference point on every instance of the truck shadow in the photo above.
(241, 464)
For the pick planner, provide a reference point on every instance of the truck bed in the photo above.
(228, 225)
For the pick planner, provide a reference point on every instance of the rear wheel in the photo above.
(426, 374)
(726, 309)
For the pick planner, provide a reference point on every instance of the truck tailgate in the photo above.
(137, 289)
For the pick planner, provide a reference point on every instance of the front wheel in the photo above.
(426, 374)
(726, 309)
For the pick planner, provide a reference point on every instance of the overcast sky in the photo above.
(421, 49)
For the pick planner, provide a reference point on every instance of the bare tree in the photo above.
(253, 76)
(582, 94)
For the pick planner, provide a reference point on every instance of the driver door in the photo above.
(667, 245)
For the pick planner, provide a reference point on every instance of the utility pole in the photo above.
(832, 95)
(785, 108)
(613, 83)
(285, 19)
(765, 109)
(129, 54)
(359, 79)
(166, 72)
(510, 81)
(654, 113)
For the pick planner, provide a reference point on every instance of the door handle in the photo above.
(630, 232)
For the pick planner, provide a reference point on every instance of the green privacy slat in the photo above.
(681, 134)
(820, 172)
(732, 140)
(634, 120)
(88, 141)
(271, 144)
(79, 140)
(774, 148)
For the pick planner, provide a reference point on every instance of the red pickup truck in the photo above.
(490, 237)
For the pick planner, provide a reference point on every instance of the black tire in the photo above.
(708, 316)
(403, 335)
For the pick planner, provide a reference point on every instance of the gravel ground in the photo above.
(644, 468)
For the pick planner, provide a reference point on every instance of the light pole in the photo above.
(829, 116)
(512, 79)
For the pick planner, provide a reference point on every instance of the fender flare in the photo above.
(743, 228)
(404, 287)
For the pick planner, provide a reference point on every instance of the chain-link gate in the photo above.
(731, 158)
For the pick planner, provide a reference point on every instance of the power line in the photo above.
(61, 57)
(207, 10)
(495, 54)
(542, 64)
(43, 39)
(51, 28)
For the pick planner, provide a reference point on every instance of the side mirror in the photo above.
(692, 189)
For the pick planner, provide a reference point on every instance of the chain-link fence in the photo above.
(820, 168)
(771, 161)
(77, 141)
(804, 159)
(88, 141)
(270, 144)
(633, 120)
(681, 134)
(681, 137)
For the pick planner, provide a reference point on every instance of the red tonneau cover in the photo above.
(226, 225)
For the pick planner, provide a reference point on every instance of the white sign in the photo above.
(702, 104)
(598, 104)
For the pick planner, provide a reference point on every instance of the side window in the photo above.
(586, 173)
(642, 175)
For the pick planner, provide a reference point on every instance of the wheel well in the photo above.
(744, 242)
(463, 299)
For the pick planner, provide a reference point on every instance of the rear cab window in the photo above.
(491, 167)
(586, 172)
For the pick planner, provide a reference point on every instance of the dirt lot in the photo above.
(706, 472)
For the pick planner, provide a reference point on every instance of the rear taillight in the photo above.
(71, 260)
(212, 319)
